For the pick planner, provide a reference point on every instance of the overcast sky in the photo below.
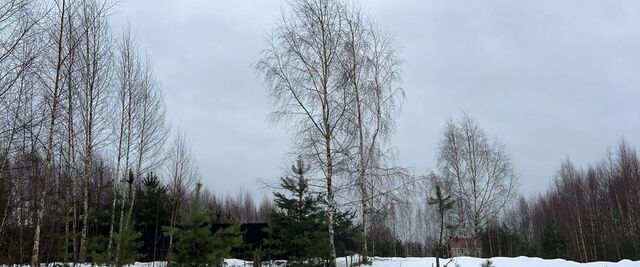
(551, 79)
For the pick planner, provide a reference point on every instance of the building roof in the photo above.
(463, 242)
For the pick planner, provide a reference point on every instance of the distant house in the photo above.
(462, 246)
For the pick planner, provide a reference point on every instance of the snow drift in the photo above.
(461, 261)
(429, 262)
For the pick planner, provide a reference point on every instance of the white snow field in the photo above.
(461, 261)
(497, 262)
(429, 262)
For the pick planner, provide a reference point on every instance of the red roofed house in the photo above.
(465, 247)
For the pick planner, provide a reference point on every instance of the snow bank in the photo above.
(497, 262)
(429, 262)
(470, 262)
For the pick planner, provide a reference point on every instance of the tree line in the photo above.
(587, 214)
(89, 168)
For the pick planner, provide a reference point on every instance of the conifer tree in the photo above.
(443, 205)
(224, 240)
(298, 227)
(128, 241)
(97, 244)
(97, 252)
(552, 243)
(152, 212)
(196, 244)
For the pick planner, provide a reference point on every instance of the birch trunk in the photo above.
(41, 207)
(330, 203)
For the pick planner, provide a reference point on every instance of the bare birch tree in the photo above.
(19, 25)
(141, 129)
(182, 172)
(150, 127)
(94, 65)
(70, 81)
(479, 173)
(19, 51)
(17, 118)
(371, 71)
(52, 84)
(127, 78)
(301, 67)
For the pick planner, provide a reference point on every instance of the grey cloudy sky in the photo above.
(551, 79)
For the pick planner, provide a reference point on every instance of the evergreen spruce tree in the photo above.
(196, 245)
(348, 236)
(97, 244)
(129, 245)
(97, 250)
(552, 244)
(224, 240)
(487, 263)
(298, 227)
(152, 213)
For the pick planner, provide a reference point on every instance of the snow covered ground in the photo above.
(429, 262)
(497, 262)
(461, 261)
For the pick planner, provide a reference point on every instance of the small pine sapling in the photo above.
(443, 205)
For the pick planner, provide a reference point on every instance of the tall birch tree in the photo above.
(301, 66)
(479, 173)
(52, 83)
(370, 67)
(94, 57)
(182, 173)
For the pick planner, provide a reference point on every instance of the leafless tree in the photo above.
(265, 208)
(127, 78)
(589, 214)
(19, 21)
(52, 82)
(55, 97)
(370, 67)
(95, 84)
(301, 66)
(182, 173)
(150, 128)
(20, 51)
(20, 55)
(69, 155)
(479, 173)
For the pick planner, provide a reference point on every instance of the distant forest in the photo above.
(90, 170)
